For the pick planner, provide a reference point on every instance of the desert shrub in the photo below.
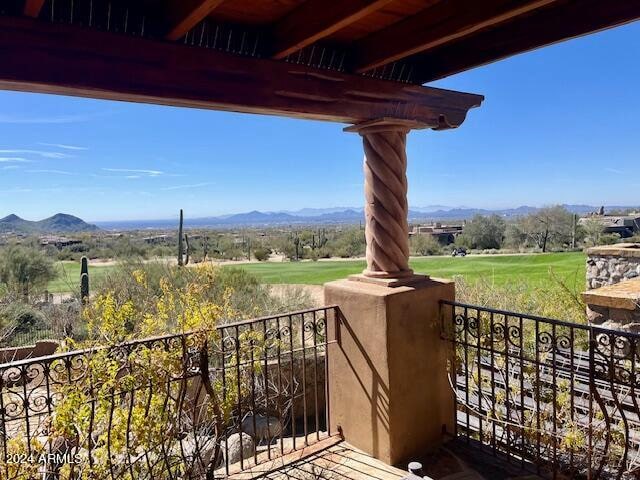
(261, 254)
(21, 317)
(24, 324)
(243, 291)
(350, 244)
(162, 251)
(556, 298)
(65, 255)
(24, 270)
(609, 239)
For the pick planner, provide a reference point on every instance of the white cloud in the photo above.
(9, 167)
(195, 185)
(64, 147)
(13, 160)
(54, 172)
(614, 170)
(39, 153)
(135, 172)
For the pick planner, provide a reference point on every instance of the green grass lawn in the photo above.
(69, 276)
(499, 269)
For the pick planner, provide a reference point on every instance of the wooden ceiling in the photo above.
(427, 39)
(340, 60)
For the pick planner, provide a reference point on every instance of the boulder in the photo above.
(199, 451)
(266, 428)
(597, 314)
(234, 451)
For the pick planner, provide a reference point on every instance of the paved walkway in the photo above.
(331, 459)
(334, 459)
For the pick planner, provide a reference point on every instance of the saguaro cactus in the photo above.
(187, 249)
(296, 243)
(180, 246)
(84, 265)
(84, 280)
(84, 287)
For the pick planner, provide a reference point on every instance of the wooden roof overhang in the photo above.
(343, 60)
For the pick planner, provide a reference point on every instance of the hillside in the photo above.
(59, 223)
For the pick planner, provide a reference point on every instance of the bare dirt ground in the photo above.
(316, 292)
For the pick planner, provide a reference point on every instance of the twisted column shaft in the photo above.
(386, 207)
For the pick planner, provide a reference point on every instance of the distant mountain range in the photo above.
(328, 216)
(59, 223)
(63, 223)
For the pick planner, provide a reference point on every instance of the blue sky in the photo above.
(559, 125)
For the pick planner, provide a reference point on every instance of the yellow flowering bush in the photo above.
(124, 405)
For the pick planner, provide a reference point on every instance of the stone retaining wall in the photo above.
(611, 264)
(613, 277)
(615, 306)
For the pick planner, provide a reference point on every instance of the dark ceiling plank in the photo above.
(314, 20)
(572, 19)
(32, 8)
(66, 59)
(183, 15)
(437, 25)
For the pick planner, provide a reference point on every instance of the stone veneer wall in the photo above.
(615, 306)
(611, 264)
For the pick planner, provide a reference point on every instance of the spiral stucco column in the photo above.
(386, 206)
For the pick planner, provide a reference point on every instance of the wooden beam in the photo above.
(315, 20)
(437, 25)
(66, 59)
(574, 18)
(183, 15)
(32, 8)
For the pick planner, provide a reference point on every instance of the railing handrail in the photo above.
(62, 355)
(274, 317)
(551, 321)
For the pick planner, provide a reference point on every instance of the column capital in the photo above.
(387, 124)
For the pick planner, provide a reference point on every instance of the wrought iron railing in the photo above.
(13, 336)
(546, 395)
(194, 405)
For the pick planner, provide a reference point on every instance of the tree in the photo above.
(425, 245)
(351, 243)
(514, 237)
(483, 232)
(23, 269)
(261, 254)
(592, 231)
(549, 225)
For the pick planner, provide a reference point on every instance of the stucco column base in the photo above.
(410, 279)
(389, 390)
